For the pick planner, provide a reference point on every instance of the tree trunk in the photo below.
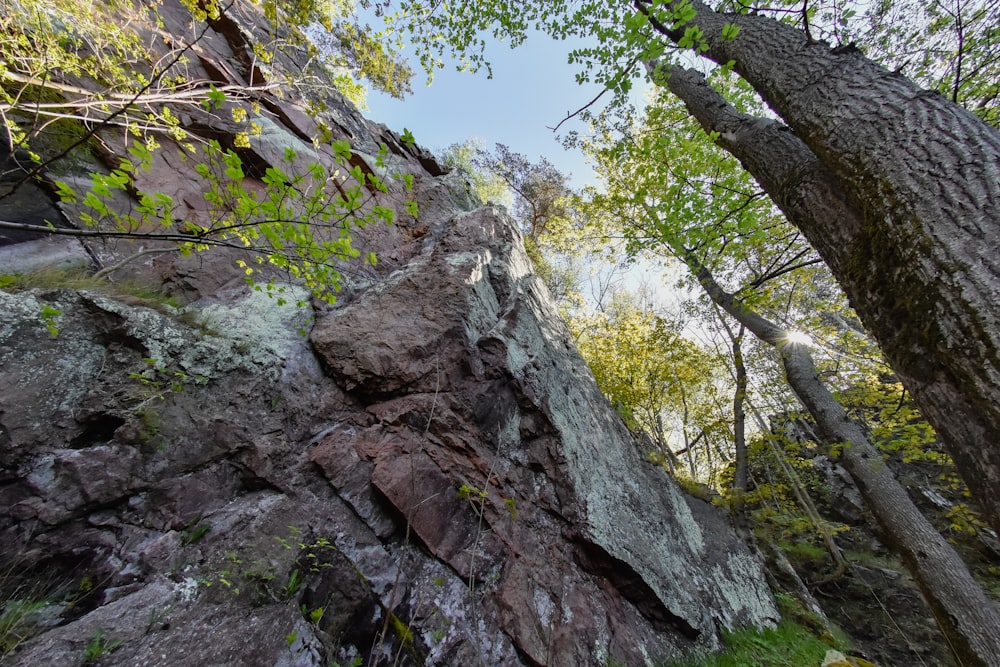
(739, 417)
(740, 464)
(966, 616)
(663, 445)
(898, 189)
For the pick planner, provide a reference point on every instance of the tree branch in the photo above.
(37, 170)
(625, 70)
(580, 110)
(107, 271)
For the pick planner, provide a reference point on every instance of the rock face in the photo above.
(437, 473)
(430, 476)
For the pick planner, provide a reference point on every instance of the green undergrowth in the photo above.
(30, 601)
(805, 555)
(788, 645)
(79, 278)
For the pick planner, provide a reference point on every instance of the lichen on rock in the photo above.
(430, 475)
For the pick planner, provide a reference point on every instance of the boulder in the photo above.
(424, 473)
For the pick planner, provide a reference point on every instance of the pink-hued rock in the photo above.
(492, 439)
(430, 477)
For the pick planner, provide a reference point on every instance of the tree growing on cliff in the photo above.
(350, 48)
(539, 197)
(463, 158)
(897, 189)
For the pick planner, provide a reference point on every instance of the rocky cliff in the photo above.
(423, 473)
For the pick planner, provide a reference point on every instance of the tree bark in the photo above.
(966, 616)
(739, 429)
(898, 189)
(740, 462)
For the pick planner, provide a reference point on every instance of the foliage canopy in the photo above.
(72, 72)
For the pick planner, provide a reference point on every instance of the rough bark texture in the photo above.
(432, 475)
(964, 613)
(918, 224)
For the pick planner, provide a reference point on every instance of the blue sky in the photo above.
(532, 89)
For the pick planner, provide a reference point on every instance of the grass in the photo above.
(789, 645)
(802, 553)
(28, 602)
(869, 559)
(80, 278)
(19, 622)
(99, 645)
(134, 291)
(52, 278)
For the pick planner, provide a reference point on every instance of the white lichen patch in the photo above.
(59, 360)
(255, 333)
(482, 306)
(160, 335)
(601, 648)
(186, 589)
(16, 307)
(451, 623)
(267, 326)
(544, 607)
(738, 583)
(642, 519)
(472, 265)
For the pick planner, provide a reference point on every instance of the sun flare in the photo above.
(799, 338)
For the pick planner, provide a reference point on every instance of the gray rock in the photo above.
(430, 477)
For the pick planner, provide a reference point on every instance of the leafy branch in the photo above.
(300, 222)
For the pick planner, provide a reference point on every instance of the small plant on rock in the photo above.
(18, 622)
(98, 646)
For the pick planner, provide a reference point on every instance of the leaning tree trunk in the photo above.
(899, 191)
(968, 619)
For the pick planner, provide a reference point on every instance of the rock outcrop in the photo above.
(429, 476)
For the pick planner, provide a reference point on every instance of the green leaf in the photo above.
(693, 38)
(49, 315)
(730, 31)
(683, 12)
(274, 178)
(341, 150)
(214, 97)
(66, 194)
(142, 154)
(234, 166)
(92, 201)
(636, 22)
